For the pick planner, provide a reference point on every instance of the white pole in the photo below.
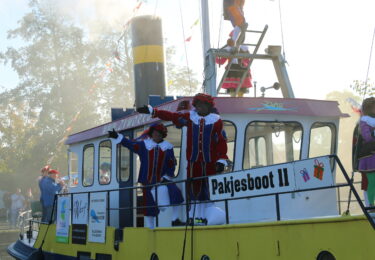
(208, 59)
(205, 21)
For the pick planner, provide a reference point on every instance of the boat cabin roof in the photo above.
(224, 105)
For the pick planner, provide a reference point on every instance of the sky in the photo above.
(326, 43)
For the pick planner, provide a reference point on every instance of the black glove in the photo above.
(219, 167)
(112, 134)
(143, 110)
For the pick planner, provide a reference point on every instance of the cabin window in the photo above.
(322, 139)
(230, 133)
(105, 162)
(123, 165)
(88, 165)
(73, 169)
(269, 143)
(257, 151)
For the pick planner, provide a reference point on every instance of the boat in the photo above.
(279, 193)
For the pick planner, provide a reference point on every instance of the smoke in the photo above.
(98, 16)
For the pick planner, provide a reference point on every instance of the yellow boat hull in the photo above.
(345, 237)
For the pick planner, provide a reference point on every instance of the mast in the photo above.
(209, 83)
(205, 27)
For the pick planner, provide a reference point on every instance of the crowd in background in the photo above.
(17, 201)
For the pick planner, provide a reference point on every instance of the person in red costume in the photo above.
(238, 69)
(233, 11)
(206, 149)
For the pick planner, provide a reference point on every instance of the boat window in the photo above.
(269, 143)
(230, 133)
(123, 165)
(88, 165)
(322, 139)
(257, 151)
(105, 162)
(73, 169)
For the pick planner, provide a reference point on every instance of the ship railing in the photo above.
(349, 183)
(23, 221)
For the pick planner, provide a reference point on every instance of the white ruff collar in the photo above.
(368, 120)
(208, 120)
(150, 144)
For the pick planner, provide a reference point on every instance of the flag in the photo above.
(194, 24)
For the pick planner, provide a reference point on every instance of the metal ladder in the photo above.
(245, 70)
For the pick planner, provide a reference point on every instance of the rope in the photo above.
(281, 29)
(221, 20)
(369, 64)
(183, 35)
(156, 7)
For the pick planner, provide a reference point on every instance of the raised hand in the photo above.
(112, 134)
(143, 110)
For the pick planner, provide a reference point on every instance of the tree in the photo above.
(363, 88)
(67, 84)
(63, 78)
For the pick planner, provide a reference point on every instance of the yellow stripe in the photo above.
(148, 53)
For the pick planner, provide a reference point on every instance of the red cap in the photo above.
(203, 98)
(158, 127)
(52, 171)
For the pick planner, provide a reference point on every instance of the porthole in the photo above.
(204, 257)
(325, 255)
(154, 257)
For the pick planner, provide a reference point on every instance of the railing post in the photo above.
(277, 207)
(339, 199)
(71, 208)
(108, 207)
(187, 200)
(156, 205)
(226, 212)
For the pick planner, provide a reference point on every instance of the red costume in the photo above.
(237, 70)
(206, 143)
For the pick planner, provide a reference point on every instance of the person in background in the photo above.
(157, 166)
(49, 186)
(237, 70)
(41, 179)
(7, 203)
(206, 149)
(17, 204)
(105, 173)
(367, 156)
(29, 198)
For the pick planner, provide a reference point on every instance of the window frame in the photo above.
(98, 171)
(275, 121)
(119, 146)
(333, 140)
(235, 141)
(70, 152)
(83, 164)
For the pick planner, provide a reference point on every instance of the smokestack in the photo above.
(148, 56)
